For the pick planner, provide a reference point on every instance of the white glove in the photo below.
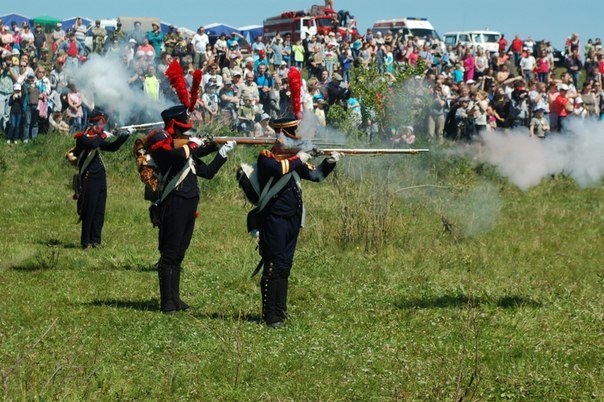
(304, 156)
(334, 157)
(196, 141)
(130, 130)
(226, 148)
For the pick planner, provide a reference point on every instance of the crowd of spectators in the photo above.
(469, 89)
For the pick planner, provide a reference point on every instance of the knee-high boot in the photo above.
(281, 293)
(166, 301)
(269, 286)
(180, 305)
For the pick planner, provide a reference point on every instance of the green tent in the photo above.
(48, 23)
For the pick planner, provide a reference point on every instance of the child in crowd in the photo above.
(16, 112)
(458, 73)
(491, 119)
(247, 116)
(55, 119)
(539, 125)
(210, 103)
(263, 129)
(579, 108)
(408, 135)
(320, 112)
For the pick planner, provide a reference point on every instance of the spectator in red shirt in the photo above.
(561, 106)
(503, 44)
(516, 49)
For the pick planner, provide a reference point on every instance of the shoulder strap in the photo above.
(88, 160)
(177, 179)
(269, 192)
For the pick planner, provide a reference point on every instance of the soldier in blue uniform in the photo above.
(93, 176)
(178, 158)
(279, 222)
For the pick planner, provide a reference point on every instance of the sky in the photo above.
(552, 20)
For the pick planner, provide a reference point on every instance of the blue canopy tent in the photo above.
(70, 22)
(217, 29)
(251, 32)
(8, 19)
(164, 26)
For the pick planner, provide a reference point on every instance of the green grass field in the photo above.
(466, 289)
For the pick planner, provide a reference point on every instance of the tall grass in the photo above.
(398, 292)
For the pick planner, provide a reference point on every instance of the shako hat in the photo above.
(287, 126)
(97, 117)
(177, 113)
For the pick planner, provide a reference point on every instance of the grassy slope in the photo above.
(367, 322)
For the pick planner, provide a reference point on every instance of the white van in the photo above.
(488, 40)
(410, 26)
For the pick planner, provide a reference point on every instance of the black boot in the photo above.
(269, 286)
(281, 293)
(165, 289)
(180, 305)
(263, 294)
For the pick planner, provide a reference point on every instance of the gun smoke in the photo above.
(106, 81)
(526, 161)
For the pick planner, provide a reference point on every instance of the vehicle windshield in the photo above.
(477, 38)
(451, 40)
(424, 33)
(386, 31)
(324, 22)
(492, 38)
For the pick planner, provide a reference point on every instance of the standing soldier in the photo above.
(93, 176)
(98, 37)
(177, 157)
(282, 215)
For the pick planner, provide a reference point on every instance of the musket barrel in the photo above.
(371, 151)
(142, 126)
(244, 140)
(266, 141)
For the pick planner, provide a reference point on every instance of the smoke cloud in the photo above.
(105, 81)
(526, 161)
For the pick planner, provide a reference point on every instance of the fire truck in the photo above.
(303, 24)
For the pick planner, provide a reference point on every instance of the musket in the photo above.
(137, 127)
(303, 143)
(244, 140)
(312, 146)
(368, 151)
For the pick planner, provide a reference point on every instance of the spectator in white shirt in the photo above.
(200, 41)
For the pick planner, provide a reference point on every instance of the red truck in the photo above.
(302, 24)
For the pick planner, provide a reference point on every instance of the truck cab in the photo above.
(303, 24)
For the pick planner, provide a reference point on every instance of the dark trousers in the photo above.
(175, 232)
(278, 239)
(14, 128)
(176, 228)
(30, 129)
(91, 208)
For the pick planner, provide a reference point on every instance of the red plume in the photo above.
(295, 85)
(195, 89)
(177, 81)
